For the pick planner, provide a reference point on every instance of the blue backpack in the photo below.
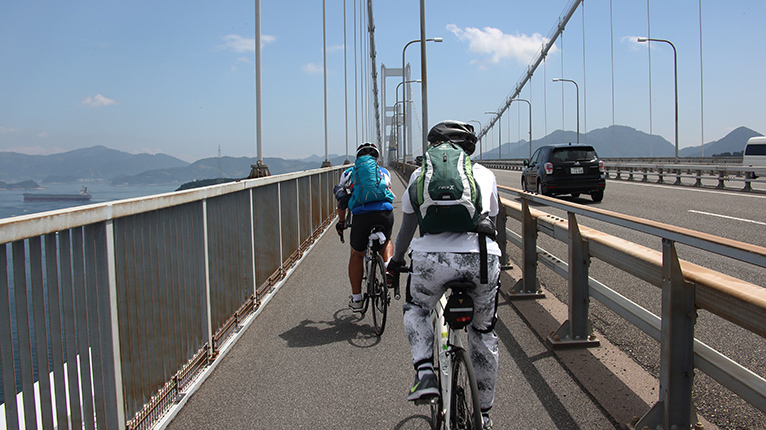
(369, 185)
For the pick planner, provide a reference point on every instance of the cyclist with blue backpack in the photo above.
(366, 189)
(454, 202)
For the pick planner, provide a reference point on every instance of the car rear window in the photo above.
(755, 149)
(574, 154)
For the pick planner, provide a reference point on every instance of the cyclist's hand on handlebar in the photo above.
(339, 228)
(395, 268)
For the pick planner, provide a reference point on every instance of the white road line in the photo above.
(728, 217)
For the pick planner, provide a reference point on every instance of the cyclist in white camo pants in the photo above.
(439, 258)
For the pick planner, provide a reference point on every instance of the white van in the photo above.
(755, 152)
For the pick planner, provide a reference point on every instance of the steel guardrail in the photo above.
(716, 172)
(737, 301)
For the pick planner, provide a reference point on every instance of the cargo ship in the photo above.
(83, 195)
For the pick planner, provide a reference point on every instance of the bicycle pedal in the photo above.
(427, 400)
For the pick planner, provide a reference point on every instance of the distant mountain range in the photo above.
(102, 164)
(223, 167)
(96, 163)
(620, 142)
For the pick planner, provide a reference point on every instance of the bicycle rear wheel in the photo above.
(465, 408)
(437, 405)
(378, 293)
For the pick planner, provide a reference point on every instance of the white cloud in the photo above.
(98, 101)
(334, 48)
(239, 44)
(4, 130)
(312, 68)
(499, 46)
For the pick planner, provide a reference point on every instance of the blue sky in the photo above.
(178, 77)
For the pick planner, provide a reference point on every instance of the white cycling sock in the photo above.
(357, 297)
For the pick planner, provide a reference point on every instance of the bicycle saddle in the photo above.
(377, 238)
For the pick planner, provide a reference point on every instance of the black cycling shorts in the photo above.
(362, 223)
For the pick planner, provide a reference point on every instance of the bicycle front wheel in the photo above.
(465, 408)
(378, 292)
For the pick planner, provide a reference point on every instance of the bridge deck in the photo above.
(306, 361)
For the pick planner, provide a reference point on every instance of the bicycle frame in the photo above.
(374, 267)
(446, 340)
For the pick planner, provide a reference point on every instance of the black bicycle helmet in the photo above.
(367, 148)
(458, 132)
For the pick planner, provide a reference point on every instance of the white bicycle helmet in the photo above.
(367, 148)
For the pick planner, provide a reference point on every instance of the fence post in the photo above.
(502, 239)
(748, 179)
(698, 179)
(115, 326)
(678, 177)
(208, 307)
(576, 331)
(528, 286)
(674, 408)
(721, 178)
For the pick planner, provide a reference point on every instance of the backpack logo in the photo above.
(445, 195)
(368, 184)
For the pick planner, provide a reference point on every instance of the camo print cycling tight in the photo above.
(430, 271)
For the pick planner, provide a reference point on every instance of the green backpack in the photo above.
(445, 195)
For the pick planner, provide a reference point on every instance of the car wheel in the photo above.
(597, 196)
(540, 189)
(575, 195)
(523, 184)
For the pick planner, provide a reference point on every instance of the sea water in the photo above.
(12, 201)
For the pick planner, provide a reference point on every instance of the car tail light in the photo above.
(601, 166)
(548, 168)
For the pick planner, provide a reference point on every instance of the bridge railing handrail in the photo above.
(142, 293)
(732, 299)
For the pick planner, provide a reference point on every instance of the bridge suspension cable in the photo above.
(552, 36)
(374, 70)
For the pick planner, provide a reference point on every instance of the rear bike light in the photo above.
(549, 168)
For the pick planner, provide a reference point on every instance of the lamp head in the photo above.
(438, 39)
(642, 39)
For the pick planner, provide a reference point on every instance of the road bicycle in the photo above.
(457, 407)
(376, 296)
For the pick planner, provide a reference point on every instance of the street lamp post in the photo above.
(499, 133)
(480, 127)
(404, 109)
(395, 126)
(530, 123)
(577, 92)
(675, 77)
(404, 123)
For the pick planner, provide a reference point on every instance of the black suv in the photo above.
(565, 169)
